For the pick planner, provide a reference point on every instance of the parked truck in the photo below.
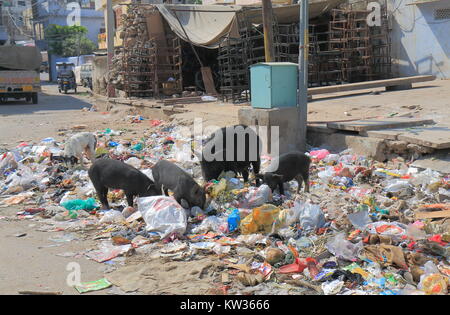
(19, 73)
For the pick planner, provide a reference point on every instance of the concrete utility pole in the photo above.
(110, 31)
(267, 13)
(303, 73)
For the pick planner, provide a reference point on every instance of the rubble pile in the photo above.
(365, 227)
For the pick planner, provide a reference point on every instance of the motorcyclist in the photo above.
(66, 73)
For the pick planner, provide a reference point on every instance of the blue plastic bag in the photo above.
(233, 220)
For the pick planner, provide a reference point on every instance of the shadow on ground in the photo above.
(47, 102)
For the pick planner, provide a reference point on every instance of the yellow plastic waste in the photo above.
(434, 284)
(219, 187)
(265, 219)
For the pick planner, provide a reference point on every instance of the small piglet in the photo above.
(169, 176)
(108, 173)
(285, 168)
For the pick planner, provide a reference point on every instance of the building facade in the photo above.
(420, 33)
(13, 24)
(61, 12)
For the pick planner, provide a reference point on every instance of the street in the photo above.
(41, 253)
(27, 262)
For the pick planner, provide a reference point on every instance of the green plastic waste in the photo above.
(138, 147)
(78, 204)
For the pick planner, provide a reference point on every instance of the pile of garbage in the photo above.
(365, 227)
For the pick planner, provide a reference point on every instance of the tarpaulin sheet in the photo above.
(20, 57)
(207, 25)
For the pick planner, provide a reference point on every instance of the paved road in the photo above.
(21, 121)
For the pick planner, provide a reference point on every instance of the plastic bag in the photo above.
(78, 204)
(360, 219)
(134, 161)
(293, 214)
(326, 174)
(426, 177)
(311, 216)
(163, 215)
(319, 154)
(21, 180)
(434, 284)
(331, 158)
(8, 161)
(148, 173)
(393, 229)
(399, 187)
(415, 233)
(257, 196)
(112, 216)
(264, 218)
(211, 223)
(219, 188)
(70, 215)
(341, 248)
(196, 212)
(251, 239)
(333, 287)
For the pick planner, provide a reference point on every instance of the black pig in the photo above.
(218, 155)
(169, 176)
(285, 168)
(108, 173)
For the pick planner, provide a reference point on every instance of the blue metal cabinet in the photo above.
(274, 84)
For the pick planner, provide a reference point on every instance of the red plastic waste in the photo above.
(297, 267)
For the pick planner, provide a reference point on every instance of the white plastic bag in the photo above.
(310, 217)
(134, 161)
(360, 219)
(341, 248)
(213, 224)
(326, 174)
(163, 215)
(112, 217)
(257, 196)
(148, 173)
(7, 161)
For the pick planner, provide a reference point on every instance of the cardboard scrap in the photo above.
(432, 214)
(443, 213)
(241, 267)
(386, 255)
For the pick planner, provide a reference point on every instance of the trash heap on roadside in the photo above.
(365, 227)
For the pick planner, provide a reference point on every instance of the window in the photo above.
(442, 14)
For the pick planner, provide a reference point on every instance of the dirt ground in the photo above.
(29, 262)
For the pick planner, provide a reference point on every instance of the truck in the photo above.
(19, 73)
